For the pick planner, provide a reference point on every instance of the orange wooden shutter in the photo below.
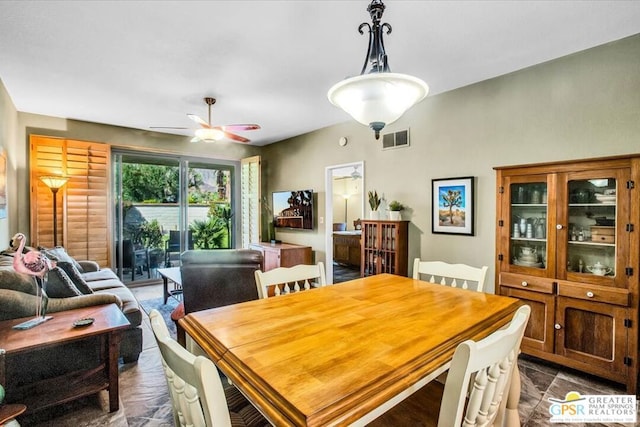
(83, 203)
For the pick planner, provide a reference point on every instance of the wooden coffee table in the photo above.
(108, 322)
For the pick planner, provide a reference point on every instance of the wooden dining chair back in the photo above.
(477, 387)
(195, 387)
(286, 280)
(455, 275)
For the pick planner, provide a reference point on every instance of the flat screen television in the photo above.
(293, 209)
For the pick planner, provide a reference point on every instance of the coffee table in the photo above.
(108, 323)
(172, 274)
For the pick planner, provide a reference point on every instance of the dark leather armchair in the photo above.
(215, 278)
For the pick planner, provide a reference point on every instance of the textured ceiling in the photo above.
(143, 63)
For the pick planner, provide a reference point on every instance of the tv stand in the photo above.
(276, 255)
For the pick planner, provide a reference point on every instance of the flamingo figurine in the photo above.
(34, 264)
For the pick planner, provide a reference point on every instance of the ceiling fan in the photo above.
(209, 133)
(354, 175)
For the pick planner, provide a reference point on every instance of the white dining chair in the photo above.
(286, 280)
(477, 387)
(197, 395)
(455, 275)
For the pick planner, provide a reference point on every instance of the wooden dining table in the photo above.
(334, 355)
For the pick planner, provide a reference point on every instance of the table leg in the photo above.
(165, 282)
(113, 346)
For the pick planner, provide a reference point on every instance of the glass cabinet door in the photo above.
(595, 213)
(528, 230)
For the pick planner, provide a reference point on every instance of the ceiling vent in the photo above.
(398, 139)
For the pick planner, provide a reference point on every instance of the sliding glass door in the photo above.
(166, 205)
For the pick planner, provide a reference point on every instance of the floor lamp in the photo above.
(54, 183)
(346, 202)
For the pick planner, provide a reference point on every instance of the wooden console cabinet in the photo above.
(567, 244)
(384, 247)
(276, 255)
(347, 248)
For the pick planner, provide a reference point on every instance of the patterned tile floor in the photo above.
(145, 402)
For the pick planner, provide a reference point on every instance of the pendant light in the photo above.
(378, 97)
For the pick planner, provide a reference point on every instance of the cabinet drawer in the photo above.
(594, 293)
(530, 283)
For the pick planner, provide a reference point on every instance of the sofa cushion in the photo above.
(11, 279)
(103, 274)
(59, 285)
(75, 276)
(60, 254)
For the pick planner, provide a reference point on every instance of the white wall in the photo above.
(583, 105)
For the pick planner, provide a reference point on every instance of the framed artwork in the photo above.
(3, 185)
(453, 206)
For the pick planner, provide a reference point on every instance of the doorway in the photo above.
(344, 187)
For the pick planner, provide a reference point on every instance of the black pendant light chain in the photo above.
(376, 54)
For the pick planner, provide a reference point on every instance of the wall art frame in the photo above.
(453, 206)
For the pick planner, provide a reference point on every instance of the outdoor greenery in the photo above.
(150, 235)
(159, 184)
(209, 234)
(142, 183)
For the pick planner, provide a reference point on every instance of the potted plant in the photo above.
(394, 210)
(374, 203)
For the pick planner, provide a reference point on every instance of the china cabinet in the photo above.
(384, 247)
(567, 245)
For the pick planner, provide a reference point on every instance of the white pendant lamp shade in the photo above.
(378, 99)
(209, 134)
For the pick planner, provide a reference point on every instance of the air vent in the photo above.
(398, 139)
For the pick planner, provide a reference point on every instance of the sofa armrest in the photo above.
(89, 266)
(19, 304)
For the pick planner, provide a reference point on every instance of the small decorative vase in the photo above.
(375, 215)
(395, 215)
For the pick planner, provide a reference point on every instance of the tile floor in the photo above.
(145, 402)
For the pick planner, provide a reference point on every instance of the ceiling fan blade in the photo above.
(235, 137)
(240, 127)
(167, 127)
(198, 120)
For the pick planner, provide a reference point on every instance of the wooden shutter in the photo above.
(251, 200)
(83, 209)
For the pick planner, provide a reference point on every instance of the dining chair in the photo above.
(454, 275)
(477, 387)
(197, 395)
(286, 280)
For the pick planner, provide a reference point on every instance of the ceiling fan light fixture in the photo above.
(209, 134)
(379, 97)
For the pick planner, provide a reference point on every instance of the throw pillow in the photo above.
(11, 279)
(75, 277)
(59, 285)
(60, 254)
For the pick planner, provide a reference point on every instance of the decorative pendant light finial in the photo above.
(379, 97)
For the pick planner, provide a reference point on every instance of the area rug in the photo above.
(164, 309)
